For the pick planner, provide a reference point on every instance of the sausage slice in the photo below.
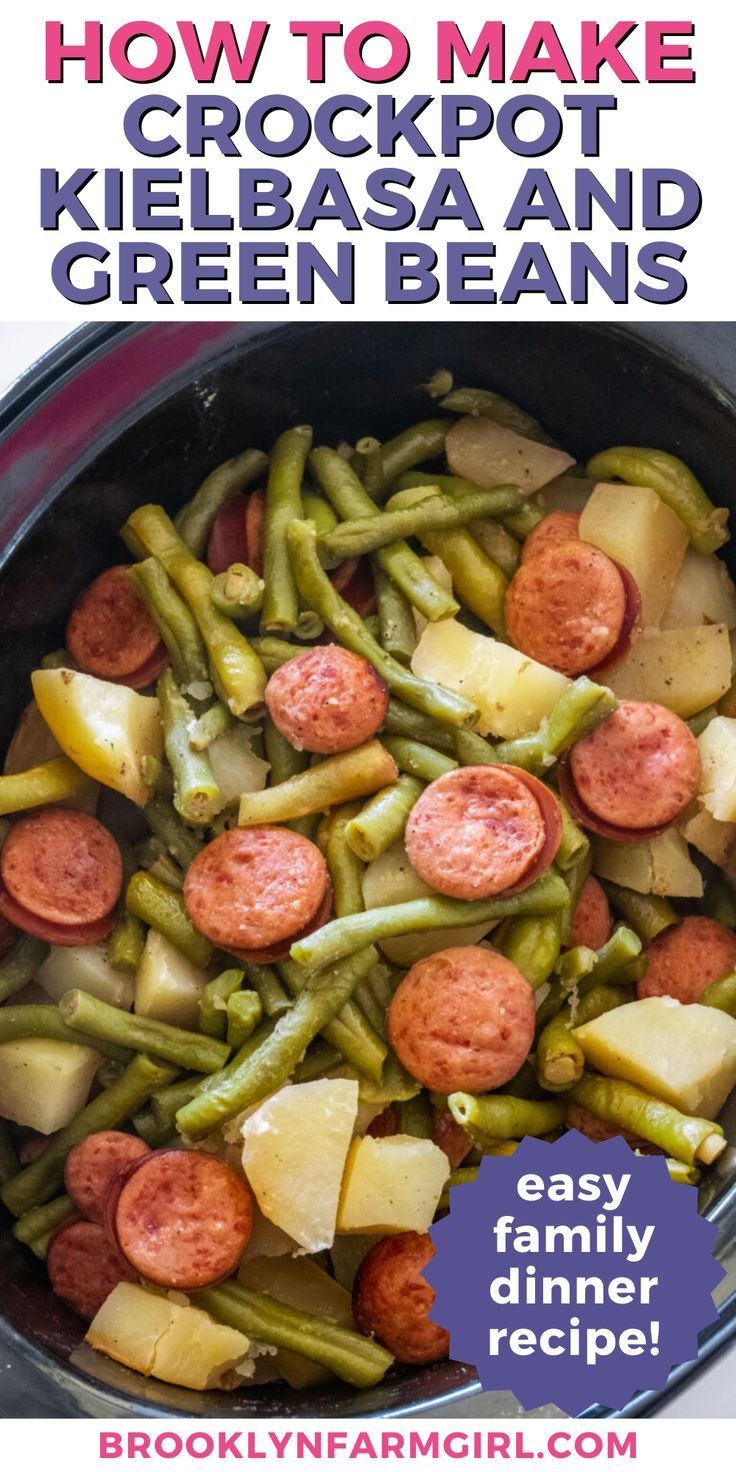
(569, 607)
(61, 872)
(183, 1219)
(91, 1165)
(634, 773)
(462, 1020)
(254, 888)
(685, 959)
(558, 526)
(591, 925)
(271, 955)
(480, 831)
(450, 1136)
(84, 1266)
(392, 1301)
(111, 633)
(327, 699)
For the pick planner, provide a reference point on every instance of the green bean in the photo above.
(319, 511)
(421, 513)
(476, 580)
(317, 1061)
(574, 844)
(37, 1226)
(211, 724)
(698, 723)
(404, 567)
(504, 1117)
(56, 659)
(160, 906)
(417, 759)
(238, 591)
(524, 1084)
(397, 631)
(172, 833)
(196, 794)
(532, 943)
(152, 856)
(518, 523)
(175, 623)
(37, 1183)
(483, 404)
(648, 914)
(284, 759)
(719, 901)
(498, 544)
(463, 1176)
(244, 1012)
(96, 1019)
(624, 946)
(9, 1163)
(39, 1021)
(424, 441)
(339, 778)
(283, 504)
(237, 672)
(214, 999)
(682, 1175)
(415, 1117)
(21, 964)
(344, 864)
(684, 1137)
(272, 1064)
(560, 1059)
(439, 384)
(342, 937)
(152, 1133)
(125, 946)
(157, 776)
(522, 523)
(360, 1044)
(373, 1013)
(196, 520)
(316, 588)
(273, 652)
(265, 982)
(706, 525)
(401, 720)
(51, 781)
(350, 1356)
(167, 1102)
(579, 710)
(720, 993)
(367, 462)
(383, 819)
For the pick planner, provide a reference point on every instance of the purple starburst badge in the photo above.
(573, 1273)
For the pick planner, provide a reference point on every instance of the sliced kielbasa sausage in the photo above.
(61, 874)
(569, 606)
(183, 1219)
(450, 1136)
(111, 633)
(558, 526)
(462, 1020)
(480, 831)
(392, 1301)
(91, 1165)
(84, 1266)
(253, 888)
(685, 959)
(635, 772)
(591, 924)
(327, 699)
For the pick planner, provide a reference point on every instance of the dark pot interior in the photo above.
(123, 416)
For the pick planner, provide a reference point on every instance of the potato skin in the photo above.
(391, 1301)
(462, 1020)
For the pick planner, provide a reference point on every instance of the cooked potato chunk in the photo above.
(85, 967)
(634, 527)
(304, 1285)
(718, 779)
(236, 767)
(181, 1345)
(43, 1084)
(684, 669)
(684, 1055)
(491, 455)
(391, 1185)
(703, 594)
(167, 985)
(710, 837)
(660, 865)
(294, 1149)
(512, 692)
(390, 880)
(106, 729)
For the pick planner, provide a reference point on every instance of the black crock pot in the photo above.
(118, 414)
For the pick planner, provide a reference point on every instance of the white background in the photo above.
(670, 125)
